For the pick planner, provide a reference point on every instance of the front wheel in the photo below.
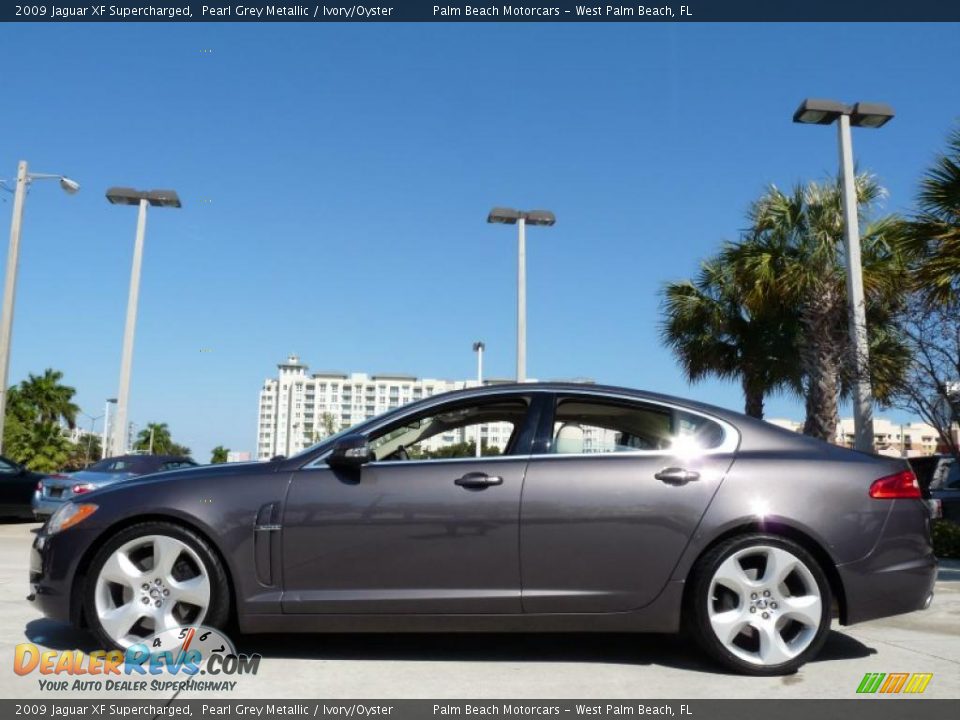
(152, 577)
(760, 605)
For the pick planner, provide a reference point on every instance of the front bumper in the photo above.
(54, 564)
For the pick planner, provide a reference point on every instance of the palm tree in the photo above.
(219, 455)
(934, 233)
(793, 259)
(50, 400)
(43, 447)
(155, 439)
(714, 329)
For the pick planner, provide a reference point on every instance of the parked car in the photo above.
(16, 489)
(945, 490)
(927, 467)
(51, 492)
(939, 479)
(607, 510)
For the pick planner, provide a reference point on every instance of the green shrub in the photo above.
(946, 539)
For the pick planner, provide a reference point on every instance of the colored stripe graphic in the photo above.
(894, 682)
(870, 682)
(918, 682)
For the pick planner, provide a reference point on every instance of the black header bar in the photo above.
(547, 11)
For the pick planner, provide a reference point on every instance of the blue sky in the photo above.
(336, 180)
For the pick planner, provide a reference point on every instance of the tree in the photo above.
(35, 409)
(714, 328)
(219, 455)
(931, 385)
(47, 399)
(155, 438)
(43, 447)
(793, 258)
(934, 232)
(328, 427)
(466, 449)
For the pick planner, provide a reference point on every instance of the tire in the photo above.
(755, 617)
(128, 597)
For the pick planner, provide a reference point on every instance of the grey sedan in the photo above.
(593, 509)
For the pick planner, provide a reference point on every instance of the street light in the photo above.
(142, 198)
(24, 178)
(478, 348)
(93, 423)
(106, 427)
(870, 115)
(521, 218)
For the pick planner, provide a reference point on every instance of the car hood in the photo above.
(188, 475)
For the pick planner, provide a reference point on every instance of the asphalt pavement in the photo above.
(511, 666)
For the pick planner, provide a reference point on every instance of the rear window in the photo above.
(952, 481)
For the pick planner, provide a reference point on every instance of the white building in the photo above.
(238, 456)
(297, 408)
(889, 438)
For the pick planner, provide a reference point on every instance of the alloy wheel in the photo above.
(764, 605)
(150, 584)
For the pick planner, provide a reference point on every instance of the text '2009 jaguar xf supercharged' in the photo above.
(590, 508)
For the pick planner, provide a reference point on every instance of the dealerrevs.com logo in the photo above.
(171, 660)
(894, 683)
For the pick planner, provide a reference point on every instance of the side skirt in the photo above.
(660, 616)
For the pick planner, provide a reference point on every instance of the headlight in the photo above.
(68, 515)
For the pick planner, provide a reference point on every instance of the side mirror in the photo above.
(350, 451)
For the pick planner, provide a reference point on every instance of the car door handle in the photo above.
(677, 475)
(478, 480)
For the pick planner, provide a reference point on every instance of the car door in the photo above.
(427, 527)
(613, 492)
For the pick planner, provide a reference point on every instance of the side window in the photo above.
(6, 468)
(453, 432)
(952, 481)
(591, 427)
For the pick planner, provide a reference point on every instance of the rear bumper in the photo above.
(45, 507)
(899, 575)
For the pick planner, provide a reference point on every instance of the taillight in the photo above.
(902, 485)
(81, 488)
(39, 487)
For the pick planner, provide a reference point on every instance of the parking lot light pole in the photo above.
(129, 196)
(478, 348)
(106, 427)
(870, 115)
(24, 178)
(521, 218)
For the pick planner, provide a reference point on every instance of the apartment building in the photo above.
(299, 407)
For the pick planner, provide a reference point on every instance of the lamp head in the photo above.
(71, 187)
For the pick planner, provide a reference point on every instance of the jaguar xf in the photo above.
(588, 509)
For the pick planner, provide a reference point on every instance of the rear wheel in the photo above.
(152, 577)
(760, 604)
